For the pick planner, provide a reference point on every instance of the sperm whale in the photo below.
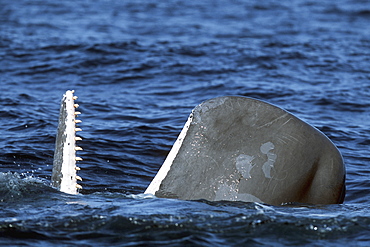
(231, 148)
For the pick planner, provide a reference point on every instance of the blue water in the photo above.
(139, 67)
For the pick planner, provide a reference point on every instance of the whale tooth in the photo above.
(78, 148)
(78, 121)
(79, 178)
(78, 186)
(77, 113)
(78, 159)
(77, 168)
(77, 138)
(76, 105)
(78, 129)
(74, 97)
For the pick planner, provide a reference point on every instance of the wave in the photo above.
(15, 187)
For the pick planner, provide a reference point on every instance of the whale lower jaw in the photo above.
(64, 175)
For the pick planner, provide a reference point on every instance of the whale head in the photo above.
(242, 149)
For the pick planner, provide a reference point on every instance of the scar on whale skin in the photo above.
(271, 158)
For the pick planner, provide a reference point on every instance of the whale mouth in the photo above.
(64, 175)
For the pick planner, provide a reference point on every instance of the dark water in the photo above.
(139, 67)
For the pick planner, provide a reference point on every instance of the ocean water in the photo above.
(139, 68)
